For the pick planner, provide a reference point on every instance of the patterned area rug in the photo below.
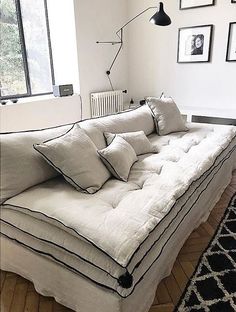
(212, 287)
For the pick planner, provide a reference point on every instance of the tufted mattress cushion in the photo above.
(122, 220)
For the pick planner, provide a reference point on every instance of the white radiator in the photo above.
(106, 103)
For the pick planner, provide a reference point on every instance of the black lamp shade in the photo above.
(160, 18)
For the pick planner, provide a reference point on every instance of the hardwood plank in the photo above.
(8, 292)
(202, 232)
(190, 257)
(162, 293)
(196, 241)
(210, 230)
(194, 234)
(32, 302)
(59, 308)
(45, 305)
(187, 267)
(212, 221)
(179, 275)
(18, 302)
(31, 287)
(194, 248)
(2, 279)
(163, 308)
(173, 288)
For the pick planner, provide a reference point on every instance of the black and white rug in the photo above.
(212, 287)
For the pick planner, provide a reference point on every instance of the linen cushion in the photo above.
(119, 157)
(167, 116)
(137, 140)
(21, 166)
(129, 121)
(74, 155)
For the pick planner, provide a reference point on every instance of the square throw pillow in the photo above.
(137, 140)
(74, 155)
(119, 157)
(167, 116)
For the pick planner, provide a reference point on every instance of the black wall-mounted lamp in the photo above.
(160, 18)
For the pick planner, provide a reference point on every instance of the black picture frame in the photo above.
(196, 57)
(228, 59)
(211, 3)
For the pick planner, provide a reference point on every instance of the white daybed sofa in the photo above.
(108, 251)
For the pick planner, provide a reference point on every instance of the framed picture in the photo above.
(190, 4)
(194, 44)
(231, 46)
(233, 1)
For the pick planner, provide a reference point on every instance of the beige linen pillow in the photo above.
(167, 116)
(137, 140)
(21, 167)
(119, 157)
(75, 156)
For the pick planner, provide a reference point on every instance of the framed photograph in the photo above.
(231, 46)
(190, 4)
(194, 44)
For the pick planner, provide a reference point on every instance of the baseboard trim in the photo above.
(214, 120)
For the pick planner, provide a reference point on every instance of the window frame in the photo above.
(24, 55)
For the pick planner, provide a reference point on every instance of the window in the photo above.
(26, 66)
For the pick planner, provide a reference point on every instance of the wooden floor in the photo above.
(19, 295)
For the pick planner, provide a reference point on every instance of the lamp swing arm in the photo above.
(131, 20)
(108, 72)
(119, 33)
(121, 29)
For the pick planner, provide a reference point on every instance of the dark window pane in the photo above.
(11, 61)
(36, 41)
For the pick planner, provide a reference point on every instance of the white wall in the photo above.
(98, 21)
(153, 54)
(39, 113)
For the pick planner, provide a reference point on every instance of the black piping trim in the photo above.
(68, 227)
(173, 219)
(59, 136)
(141, 278)
(52, 178)
(59, 246)
(38, 130)
(212, 166)
(154, 119)
(114, 135)
(231, 204)
(176, 229)
(99, 248)
(153, 147)
(71, 123)
(53, 165)
(59, 170)
(70, 268)
(107, 163)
